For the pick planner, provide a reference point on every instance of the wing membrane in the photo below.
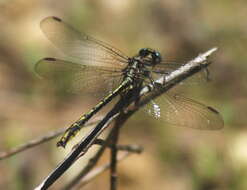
(77, 78)
(86, 49)
(180, 111)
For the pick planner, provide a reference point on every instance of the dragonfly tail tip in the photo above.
(61, 144)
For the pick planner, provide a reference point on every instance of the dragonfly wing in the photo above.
(78, 78)
(180, 111)
(152, 109)
(86, 49)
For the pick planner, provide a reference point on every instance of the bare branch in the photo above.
(91, 163)
(80, 150)
(114, 151)
(129, 148)
(39, 140)
(186, 70)
(95, 173)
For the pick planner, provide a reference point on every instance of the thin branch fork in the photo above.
(168, 81)
(86, 174)
(97, 171)
(37, 141)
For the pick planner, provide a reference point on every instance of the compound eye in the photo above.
(143, 52)
(157, 59)
(157, 54)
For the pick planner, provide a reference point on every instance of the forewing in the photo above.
(78, 78)
(180, 111)
(86, 49)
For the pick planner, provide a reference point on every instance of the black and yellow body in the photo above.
(75, 127)
(133, 76)
(98, 62)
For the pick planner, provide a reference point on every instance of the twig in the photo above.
(114, 151)
(81, 149)
(183, 72)
(130, 148)
(91, 163)
(167, 82)
(39, 140)
(93, 174)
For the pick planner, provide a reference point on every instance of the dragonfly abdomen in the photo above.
(75, 127)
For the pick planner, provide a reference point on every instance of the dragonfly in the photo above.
(96, 63)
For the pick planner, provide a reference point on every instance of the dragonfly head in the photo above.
(150, 56)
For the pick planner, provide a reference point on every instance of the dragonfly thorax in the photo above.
(141, 64)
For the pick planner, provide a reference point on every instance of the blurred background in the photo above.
(173, 158)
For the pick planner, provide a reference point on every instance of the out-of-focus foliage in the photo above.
(174, 158)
